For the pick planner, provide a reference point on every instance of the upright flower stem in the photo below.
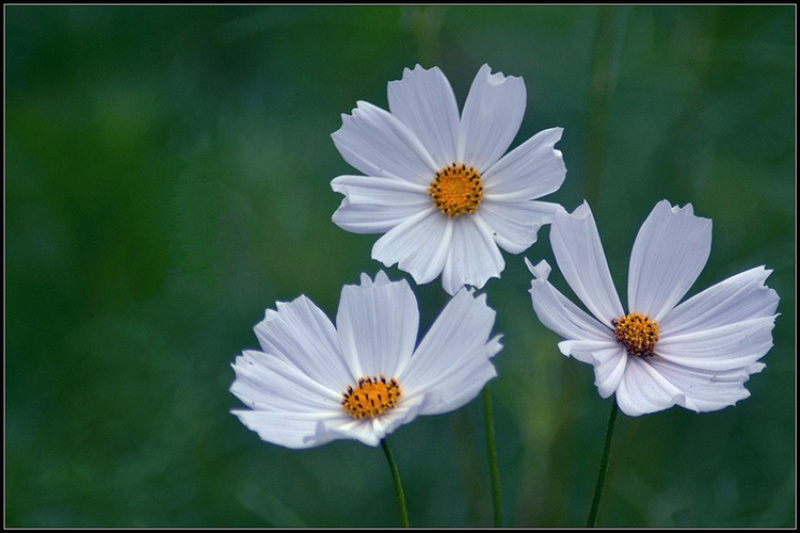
(398, 485)
(494, 472)
(607, 47)
(601, 476)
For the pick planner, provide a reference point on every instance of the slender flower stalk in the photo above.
(601, 475)
(494, 471)
(398, 484)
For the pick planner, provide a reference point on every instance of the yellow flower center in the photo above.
(373, 396)
(457, 189)
(638, 333)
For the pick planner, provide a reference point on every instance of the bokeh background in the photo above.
(167, 179)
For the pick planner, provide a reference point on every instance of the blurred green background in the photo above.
(168, 178)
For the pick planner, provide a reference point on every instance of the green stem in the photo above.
(601, 477)
(398, 485)
(494, 472)
(606, 49)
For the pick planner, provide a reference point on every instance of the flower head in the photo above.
(315, 382)
(437, 184)
(697, 354)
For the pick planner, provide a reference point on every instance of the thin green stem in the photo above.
(494, 472)
(606, 48)
(398, 485)
(601, 477)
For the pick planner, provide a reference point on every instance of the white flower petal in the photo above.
(376, 205)
(492, 115)
(740, 297)
(378, 144)
(531, 170)
(643, 390)
(580, 256)
(670, 251)
(370, 431)
(565, 318)
(380, 279)
(584, 351)
(267, 382)
(708, 390)
(361, 430)
(420, 245)
(514, 225)
(721, 348)
(460, 388)
(473, 256)
(293, 430)
(406, 411)
(609, 368)
(424, 101)
(377, 327)
(300, 334)
(459, 337)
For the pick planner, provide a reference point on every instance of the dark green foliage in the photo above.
(168, 177)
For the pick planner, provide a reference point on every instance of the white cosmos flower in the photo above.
(315, 382)
(437, 184)
(697, 354)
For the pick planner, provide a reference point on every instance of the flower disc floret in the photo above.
(457, 189)
(372, 397)
(638, 333)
